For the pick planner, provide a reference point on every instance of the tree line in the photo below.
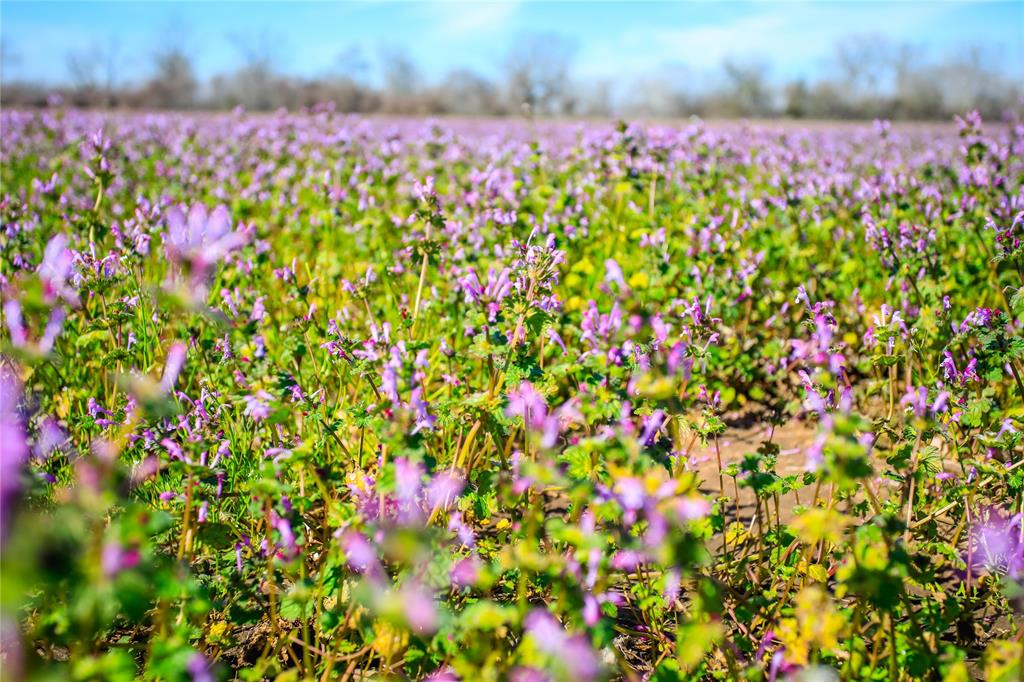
(865, 77)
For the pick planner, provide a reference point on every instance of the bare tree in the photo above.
(666, 92)
(746, 92)
(110, 56)
(971, 79)
(467, 92)
(917, 96)
(351, 63)
(344, 84)
(537, 74)
(864, 63)
(173, 84)
(93, 71)
(594, 99)
(84, 72)
(255, 84)
(401, 80)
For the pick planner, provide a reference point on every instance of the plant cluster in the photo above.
(315, 397)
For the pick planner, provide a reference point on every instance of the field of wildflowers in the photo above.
(313, 397)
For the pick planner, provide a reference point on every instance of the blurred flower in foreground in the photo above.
(815, 624)
(198, 669)
(997, 545)
(573, 651)
(13, 445)
(154, 396)
(10, 649)
(200, 240)
(56, 269)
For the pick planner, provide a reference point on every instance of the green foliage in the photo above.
(508, 403)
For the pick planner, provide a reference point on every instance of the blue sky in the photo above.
(613, 40)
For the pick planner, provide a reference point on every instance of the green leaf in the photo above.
(693, 640)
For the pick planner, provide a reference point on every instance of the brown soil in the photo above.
(793, 439)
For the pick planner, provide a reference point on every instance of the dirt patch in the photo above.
(792, 438)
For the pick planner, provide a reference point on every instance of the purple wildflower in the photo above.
(13, 446)
(55, 270)
(257, 406)
(201, 239)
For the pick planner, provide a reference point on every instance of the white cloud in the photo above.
(470, 19)
(788, 36)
